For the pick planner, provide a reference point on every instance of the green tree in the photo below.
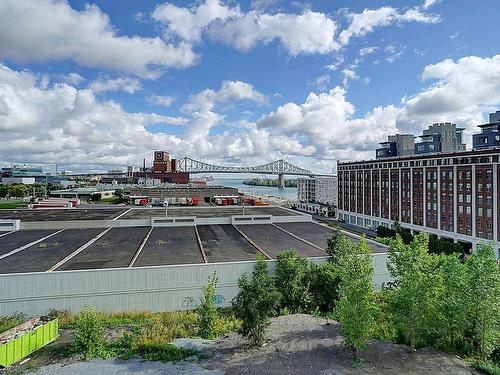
(207, 310)
(291, 280)
(356, 307)
(337, 245)
(453, 304)
(256, 302)
(89, 335)
(418, 289)
(483, 278)
(323, 286)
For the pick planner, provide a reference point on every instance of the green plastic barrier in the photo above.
(22, 346)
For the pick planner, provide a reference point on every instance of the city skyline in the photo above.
(103, 84)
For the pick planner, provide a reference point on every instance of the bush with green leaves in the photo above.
(291, 280)
(257, 301)
(89, 335)
(419, 288)
(452, 305)
(356, 305)
(207, 310)
(483, 282)
(323, 286)
(337, 245)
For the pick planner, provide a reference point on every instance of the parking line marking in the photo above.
(202, 249)
(141, 246)
(4, 234)
(78, 251)
(300, 238)
(253, 243)
(29, 245)
(122, 214)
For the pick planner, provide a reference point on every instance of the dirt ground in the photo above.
(297, 344)
(303, 344)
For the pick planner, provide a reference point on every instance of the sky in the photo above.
(96, 85)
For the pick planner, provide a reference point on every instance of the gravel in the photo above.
(297, 344)
(121, 367)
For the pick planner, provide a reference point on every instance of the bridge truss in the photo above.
(278, 167)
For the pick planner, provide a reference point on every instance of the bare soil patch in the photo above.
(303, 344)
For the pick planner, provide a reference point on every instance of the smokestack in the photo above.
(144, 165)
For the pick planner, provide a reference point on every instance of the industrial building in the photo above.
(202, 193)
(451, 194)
(163, 169)
(142, 259)
(30, 176)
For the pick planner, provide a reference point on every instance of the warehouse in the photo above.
(115, 261)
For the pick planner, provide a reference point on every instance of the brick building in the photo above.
(453, 195)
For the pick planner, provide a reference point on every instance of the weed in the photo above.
(207, 310)
(485, 367)
(45, 245)
(89, 335)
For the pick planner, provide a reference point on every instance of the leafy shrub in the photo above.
(291, 280)
(257, 301)
(89, 335)
(486, 367)
(356, 308)
(385, 232)
(207, 310)
(323, 286)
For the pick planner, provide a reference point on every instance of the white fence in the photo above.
(160, 288)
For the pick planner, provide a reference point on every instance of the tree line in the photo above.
(435, 300)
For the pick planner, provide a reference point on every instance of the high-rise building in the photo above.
(396, 145)
(490, 133)
(322, 190)
(440, 137)
(306, 189)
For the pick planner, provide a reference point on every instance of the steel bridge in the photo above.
(279, 167)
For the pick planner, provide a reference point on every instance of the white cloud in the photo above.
(73, 79)
(307, 33)
(48, 30)
(207, 99)
(263, 4)
(367, 50)
(326, 120)
(125, 84)
(365, 22)
(322, 82)
(429, 3)
(189, 23)
(162, 100)
(51, 122)
(310, 32)
(349, 74)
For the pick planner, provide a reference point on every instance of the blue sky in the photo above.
(101, 84)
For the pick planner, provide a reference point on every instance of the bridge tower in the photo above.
(281, 180)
